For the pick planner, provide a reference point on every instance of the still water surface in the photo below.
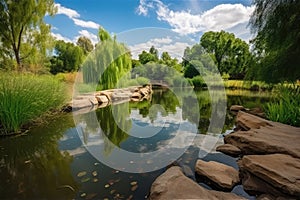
(52, 162)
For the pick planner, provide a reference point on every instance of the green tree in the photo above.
(109, 62)
(151, 56)
(154, 52)
(135, 63)
(276, 24)
(231, 54)
(169, 61)
(23, 30)
(86, 44)
(191, 61)
(68, 57)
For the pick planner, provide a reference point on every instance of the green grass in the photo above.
(247, 85)
(286, 107)
(26, 97)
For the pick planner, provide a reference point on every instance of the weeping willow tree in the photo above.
(109, 62)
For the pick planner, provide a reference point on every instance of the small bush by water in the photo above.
(286, 107)
(25, 97)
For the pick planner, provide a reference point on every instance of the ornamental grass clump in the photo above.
(25, 97)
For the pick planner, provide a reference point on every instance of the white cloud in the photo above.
(66, 11)
(86, 24)
(91, 36)
(74, 15)
(143, 7)
(174, 48)
(58, 36)
(221, 17)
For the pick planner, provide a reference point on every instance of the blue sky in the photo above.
(129, 19)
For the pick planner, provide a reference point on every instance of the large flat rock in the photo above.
(279, 170)
(223, 175)
(173, 184)
(264, 137)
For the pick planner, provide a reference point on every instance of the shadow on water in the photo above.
(51, 161)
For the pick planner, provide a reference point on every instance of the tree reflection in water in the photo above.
(32, 166)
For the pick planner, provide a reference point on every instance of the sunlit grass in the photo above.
(286, 107)
(247, 85)
(25, 97)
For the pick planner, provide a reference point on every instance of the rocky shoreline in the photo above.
(268, 159)
(84, 103)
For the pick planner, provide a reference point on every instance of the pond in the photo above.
(60, 159)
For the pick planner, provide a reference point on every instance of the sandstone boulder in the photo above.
(173, 184)
(136, 95)
(102, 99)
(264, 137)
(279, 170)
(223, 175)
(236, 108)
(229, 150)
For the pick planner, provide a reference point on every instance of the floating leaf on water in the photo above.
(106, 186)
(85, 180)
(111, 182)
(66, 186)
(91, 196)
(94, 173)
(95, 180)
(80, 174)
(83, 194)
(133, 188)
(133, 183)
(112, 191)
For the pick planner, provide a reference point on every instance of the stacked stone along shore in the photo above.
(89, 101)
(268, 158)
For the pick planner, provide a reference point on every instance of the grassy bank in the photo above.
(26, 97)
(286, 106)
(248, 85)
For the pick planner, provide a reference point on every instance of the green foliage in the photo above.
(231, 54)
(277, 48)
(25, 37)
(107, 64)
(86, 44)
(285, 108)
(198, 81)
(225, 76)
(197, 62)
(154, 71)
(123, 83)
(151, 56)
(68, 57)
(248, 85)
(25, 97)
(135, 63)
(170, 62)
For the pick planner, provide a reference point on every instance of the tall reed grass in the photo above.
(286, 107)
(25, 97)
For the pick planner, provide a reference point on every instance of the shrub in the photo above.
(285, 108)
(25, 97)
(198, 81)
